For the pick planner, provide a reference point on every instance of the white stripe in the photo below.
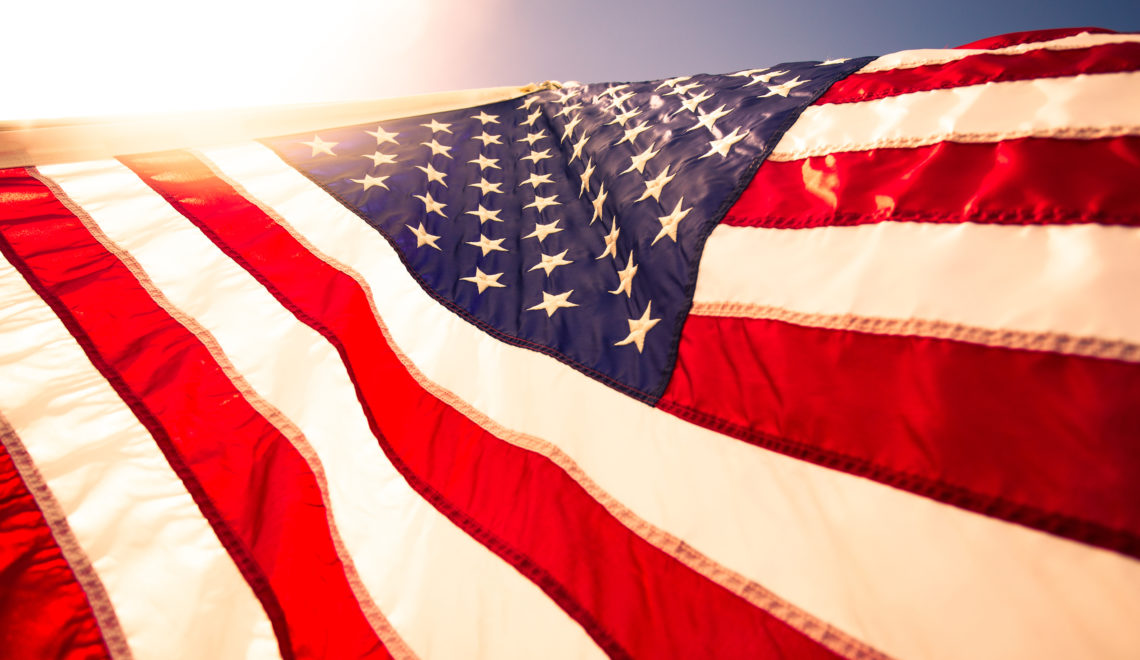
(446, 594)
(174, 588)
(1070, 279)
(910, 576)
(908, 59)
(1085, 106)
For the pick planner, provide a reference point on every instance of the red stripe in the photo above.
(44, 612)
(251, 484)
(1031, 36)
(632, 598)
(1037, 438)
(1021, 182)
(984, 68)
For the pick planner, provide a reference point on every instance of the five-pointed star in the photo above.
(579, 146)
(437, 148)
(437, 126)
(638, 161)
(725, 143)
(383, 136)
(623, 117)
(484, 280)
(430, 205)
(536, 156)
(653, 187)
(423, 237)
(552, 303)
(486, 138)
(611, 241)
(486, 214)
(621, 98)
(837, 60)
(625, 278)
(598, 201)
(638, 328)
(586, 174)
(483, 162)
(483, 118)
(764, 78)
(531, 138)
(681, 89)
(530, 100)
(319, 146)
(542, 230)
(613, 89)
(535, 179)
(550, 262)
(433, 174)
(783, 88)
(368, 181)
(570, 126)
(748, 73)
(486, 186)
(381, 159)
(532, 117)
(669, 222)
(672, 81)
(708, 119)
(541, 202)
(487, 244)
(567, 109)
(692, 102)
(632, 132)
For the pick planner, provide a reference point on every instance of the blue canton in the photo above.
(570, 221)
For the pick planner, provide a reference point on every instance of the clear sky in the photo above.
(79, 58)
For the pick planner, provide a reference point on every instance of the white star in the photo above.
(783, 88)
(598, 201)
(483, 162)
(765, 78)
(611, 241)
(541, 230)
(319, 146)
(586, 174)
(541, 202)
(533, 117)
(624, 117)
(531, 138)
(570, 126)
(692, 102)
(567, 109)
(681, 89)
(837, 60)
(725, 143)
(579, 146)
(552, 303)
(381, 159)
(535, 179)
(383, 136)
(625, 278)
(483, 118)
(536, 156)
(669, 222)
(486, 186)
(423, 237)
(748, 73)
(653, 187)
(610, 91)
(708, 119)
(530, 100)
(486, 138)
(633, 132)
(550, 262)
(672, 81)
(486, 214)
(488, 244)
(621, 98)
(436, 126)
(484, 280)
(368, 181)
(433, 174)
(638, 161)
(430, 205)
(638, 328)
(437, 148)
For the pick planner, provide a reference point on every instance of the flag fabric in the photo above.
(832, 358)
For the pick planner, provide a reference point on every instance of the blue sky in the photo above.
(74, 58)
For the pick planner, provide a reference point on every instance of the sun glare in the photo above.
(139, 56)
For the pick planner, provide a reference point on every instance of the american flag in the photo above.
(822, 358)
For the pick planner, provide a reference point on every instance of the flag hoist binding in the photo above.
(832, 358)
